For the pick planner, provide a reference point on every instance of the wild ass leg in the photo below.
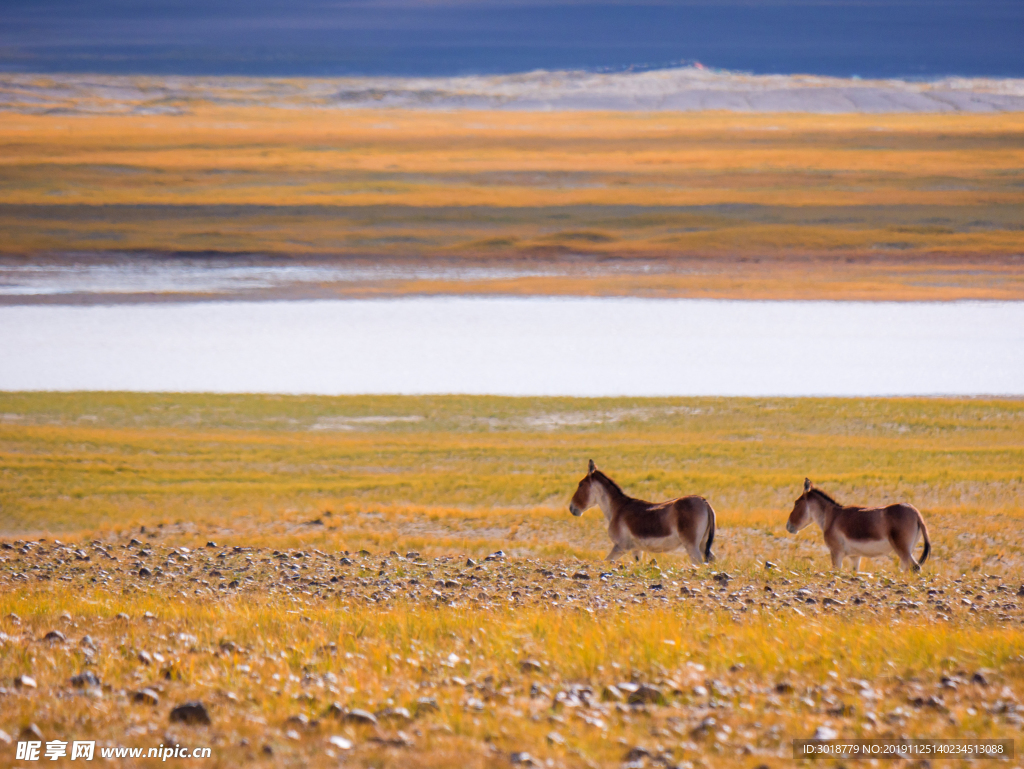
(616, 552)
(694, 552)
(903, 546)
(856, 562)
(703, 548)
(837, 559)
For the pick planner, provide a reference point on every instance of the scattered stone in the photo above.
(394, 714)
(144, 572)
(581, 575)
(193, 713)
(611, 693)
(784, 687)
(400, 740)
(646, 694)
(703, 728)
(25, 682)
(361, 717)
(84, 679)
(636, 752)
(122, 616)
(211, 543)
(554, 738)
(145, 658)
(824, 733)
(530, 666)
(426, 705)
(31, 732)
(146, 697)
(470, 562)
(55, 635)
(522, 758)
(5, 738)
(979, 678)
(339, 742)
(769, 565)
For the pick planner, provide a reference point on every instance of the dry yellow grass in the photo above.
(247, 512)
(220, 155)
(925, 206)
(71, 461)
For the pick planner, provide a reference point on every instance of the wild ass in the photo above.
(653, 527)
(857, 532)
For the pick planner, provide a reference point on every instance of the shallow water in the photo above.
(169, 277)
(520, 346)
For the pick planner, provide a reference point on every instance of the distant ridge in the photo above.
(682, 89)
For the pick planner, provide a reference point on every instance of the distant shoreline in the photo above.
(99, 279)
(680, 89)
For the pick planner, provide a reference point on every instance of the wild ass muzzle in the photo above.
(652, 527)
(861, 532)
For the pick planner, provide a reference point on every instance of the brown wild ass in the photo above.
(653, 527)
(857, 532)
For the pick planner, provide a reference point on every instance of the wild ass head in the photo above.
(801, 514)
(584, 498)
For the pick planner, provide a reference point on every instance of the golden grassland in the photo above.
(259, 156)
(269, 616)
(121, 460)
(848, 206)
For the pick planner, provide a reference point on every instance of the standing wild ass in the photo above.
(857, 532)
(653, 527)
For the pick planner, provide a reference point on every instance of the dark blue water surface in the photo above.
(901, 38)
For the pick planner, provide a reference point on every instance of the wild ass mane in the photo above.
(825, 496)
(605, 479)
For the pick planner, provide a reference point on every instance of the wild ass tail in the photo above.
(708, 555)
(927, 542)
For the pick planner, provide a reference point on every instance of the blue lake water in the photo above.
(894, 38)
(519, 346)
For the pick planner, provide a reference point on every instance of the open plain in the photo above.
(324, 575)
(780, 205)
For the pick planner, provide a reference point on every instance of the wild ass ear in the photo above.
(591, 468)
(807, 484)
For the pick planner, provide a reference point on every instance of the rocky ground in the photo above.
(219, 573)
(301, 657)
